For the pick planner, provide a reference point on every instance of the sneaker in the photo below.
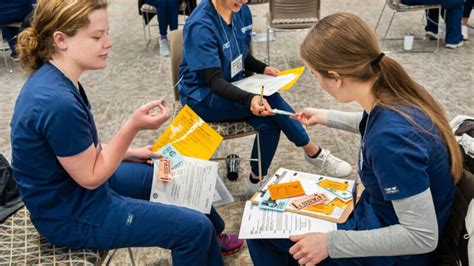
(252, 187)
(464, 32)
(431, 35)
(454, 46)
(330, 164)
(229, 243)
(164, 48)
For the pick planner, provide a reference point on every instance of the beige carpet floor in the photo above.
(136, 75)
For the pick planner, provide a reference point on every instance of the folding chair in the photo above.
(228, 130)
(397, 6)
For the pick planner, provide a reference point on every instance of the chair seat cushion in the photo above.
(21, 244)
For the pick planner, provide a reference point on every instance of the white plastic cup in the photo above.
(408, 40)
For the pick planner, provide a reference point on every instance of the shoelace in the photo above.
(329, 166)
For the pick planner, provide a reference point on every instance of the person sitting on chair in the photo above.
(216, 52)
(81, 193)
(454, 11)
(409, 159)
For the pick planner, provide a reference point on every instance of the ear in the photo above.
(336, 78)
(60, 40)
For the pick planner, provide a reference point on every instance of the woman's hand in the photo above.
(146, 117)
(141, 155)
(309, 248)
(258, 109)
(271, 71)
(312, 116)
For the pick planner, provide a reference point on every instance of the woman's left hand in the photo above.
(141, 155)
(271, 71)
(309, 248)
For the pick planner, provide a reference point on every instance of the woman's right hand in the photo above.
(146, 117)
(312, 116)
(260, 108)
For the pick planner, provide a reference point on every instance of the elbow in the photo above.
(428, 242)
(88, 183)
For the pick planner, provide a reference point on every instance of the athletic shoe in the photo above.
(164, 48)
(252, 187)
(229, 243)
(330, 164)
(454, 46)
(464, 31)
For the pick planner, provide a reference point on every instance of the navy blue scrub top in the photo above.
(52, 118)
(9, 8)
(208, 42)
(399, 161)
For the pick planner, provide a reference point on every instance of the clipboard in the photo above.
(346, 211)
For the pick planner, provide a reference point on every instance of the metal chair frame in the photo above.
(396, 6)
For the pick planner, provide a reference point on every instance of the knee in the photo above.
(199, 227)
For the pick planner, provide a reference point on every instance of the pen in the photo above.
(261, 96)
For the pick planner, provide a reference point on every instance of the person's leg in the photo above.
(173, 10)
(454, 11)
(273, 252)
(162, 14)
(9, 34)
(467, 11)
(217, 109)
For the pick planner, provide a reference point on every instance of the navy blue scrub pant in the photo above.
(167, 14)
(132, 221)
(454, 11)
(9, 33)
(214, 108)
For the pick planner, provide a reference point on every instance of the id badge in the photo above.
(236, 66)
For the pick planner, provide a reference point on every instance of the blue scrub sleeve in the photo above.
(400, 162)
(201, 47)
(65, 125)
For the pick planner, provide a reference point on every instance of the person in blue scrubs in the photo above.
(216, 52)
(82, 193)
(13, 11)
(409, 160)
(454, 11)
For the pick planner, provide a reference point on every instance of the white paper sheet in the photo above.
(192, 186)
(254, 83)
(257, 223)
(222, 195)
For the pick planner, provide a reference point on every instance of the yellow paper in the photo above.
(339, 203)
(190, 135)
(326, 183)
(297, 71)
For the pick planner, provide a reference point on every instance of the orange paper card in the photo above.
(321, 208)
(326, 183)
(286, 190)
(339, 203)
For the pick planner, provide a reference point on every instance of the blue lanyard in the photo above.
(227, 38)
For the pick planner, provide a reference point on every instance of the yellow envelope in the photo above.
(297, 71)
(190, 136)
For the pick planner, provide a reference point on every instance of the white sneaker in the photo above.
(330, 164)
(251, 187)
(431, 35)
(164, 48)
(454, 46)
(464, 32)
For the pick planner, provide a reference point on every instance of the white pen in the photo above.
(281, 112)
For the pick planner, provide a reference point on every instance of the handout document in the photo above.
(258, 223)
(190, 136)
(271, 84)
(192, 185)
